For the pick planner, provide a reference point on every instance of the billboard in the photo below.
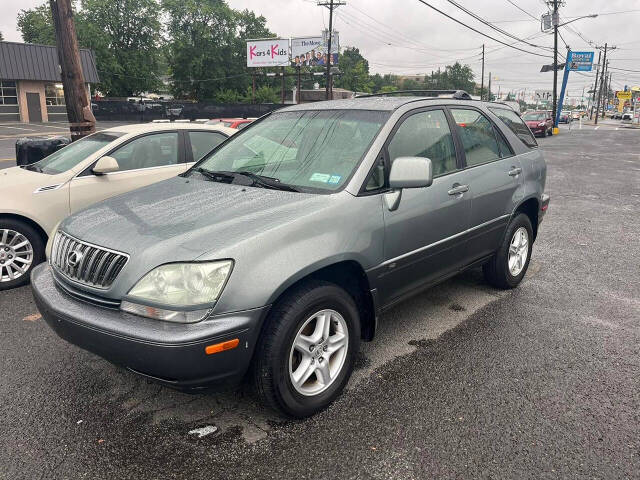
(312, 51)
(580, 61)
(273, 52)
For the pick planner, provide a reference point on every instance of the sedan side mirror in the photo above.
(407, 172)
(105, 165)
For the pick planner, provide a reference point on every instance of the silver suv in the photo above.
(275, 255)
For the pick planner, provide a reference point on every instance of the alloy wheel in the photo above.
(518, 251)
(318, 352)
(16, 255)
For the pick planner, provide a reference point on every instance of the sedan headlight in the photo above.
(542, 124)
(181, 288)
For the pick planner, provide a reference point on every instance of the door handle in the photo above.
(457, 189)
(515, 171)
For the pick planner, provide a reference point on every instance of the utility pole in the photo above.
(284, 95)
(604, 63)
(482, 81)
(489, 89)
(556, 19)
(81, 119)
(331, 5)
(595, 86)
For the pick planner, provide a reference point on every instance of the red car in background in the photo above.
(540, 122)
(237, 123)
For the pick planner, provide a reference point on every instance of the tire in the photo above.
(497, 271)
(13, 260)
(294, 318)
(549, 132)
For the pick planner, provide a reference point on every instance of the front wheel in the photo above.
(21, 249)
(508, 267)
(307, 351)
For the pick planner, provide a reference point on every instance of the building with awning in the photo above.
(30, 82)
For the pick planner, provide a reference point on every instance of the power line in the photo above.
(489, 24)
(523, 11)
(479, 32)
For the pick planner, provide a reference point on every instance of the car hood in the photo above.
(17, 178)
(182, 219)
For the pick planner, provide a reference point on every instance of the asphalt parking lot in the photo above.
(462, 382)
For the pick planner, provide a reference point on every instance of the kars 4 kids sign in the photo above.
(268, 53)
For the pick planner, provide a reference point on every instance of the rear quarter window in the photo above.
(513, 121)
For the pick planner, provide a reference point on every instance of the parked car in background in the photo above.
(565, 117)
(540, 122)
(627, 117)
(237, 123)
(36, 197)
(280, 249)
(617, 115)
(576, 115)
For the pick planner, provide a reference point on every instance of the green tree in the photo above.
(124, 35)
(207, 50)
(354, 70)
(36, 25)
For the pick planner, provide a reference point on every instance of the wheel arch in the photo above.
(530, 207)
(32, 223)
(347, 274)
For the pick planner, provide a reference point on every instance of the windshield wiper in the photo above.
(216, 176)
(267, 182)
(33, 167)
(227, 176)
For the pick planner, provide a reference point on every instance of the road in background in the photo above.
(463, 381)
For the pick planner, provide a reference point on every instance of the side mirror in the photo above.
(105, 165)
(411, 172)
(407, 172)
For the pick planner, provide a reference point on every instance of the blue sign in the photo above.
(580, 61)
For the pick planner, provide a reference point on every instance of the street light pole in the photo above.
(555, 62)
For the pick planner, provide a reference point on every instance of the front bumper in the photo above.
(170, 353)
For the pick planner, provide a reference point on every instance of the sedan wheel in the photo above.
(16, 255)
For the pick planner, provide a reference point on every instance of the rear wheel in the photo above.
(21, 249)
(509, 266)
(307, 350)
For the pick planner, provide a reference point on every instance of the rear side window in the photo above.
(203, 142)
(477, 136)
(512, 120)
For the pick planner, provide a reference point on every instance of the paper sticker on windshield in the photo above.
(335, 179)
(320, 177)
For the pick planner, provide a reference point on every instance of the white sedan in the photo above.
(35, 198)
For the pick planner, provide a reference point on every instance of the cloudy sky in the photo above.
(405, 36)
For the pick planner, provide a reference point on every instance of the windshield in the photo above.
(71, 155)
(315, 150)
(534, 117)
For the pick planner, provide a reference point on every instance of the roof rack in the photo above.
(456, 94)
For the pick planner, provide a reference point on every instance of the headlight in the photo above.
(542, 124)
(185, 286)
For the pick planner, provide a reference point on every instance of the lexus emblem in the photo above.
(74, 258)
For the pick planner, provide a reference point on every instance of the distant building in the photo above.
(30, 88)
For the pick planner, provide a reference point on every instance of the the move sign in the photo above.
(268, 53)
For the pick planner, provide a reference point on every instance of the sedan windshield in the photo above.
(534, 117)
(71, 155)
(314, 150)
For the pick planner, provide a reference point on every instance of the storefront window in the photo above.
(54, 94)
(8, 92)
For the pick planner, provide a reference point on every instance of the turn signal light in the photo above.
(221, 347)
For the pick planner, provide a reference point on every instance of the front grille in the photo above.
(85, 263)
